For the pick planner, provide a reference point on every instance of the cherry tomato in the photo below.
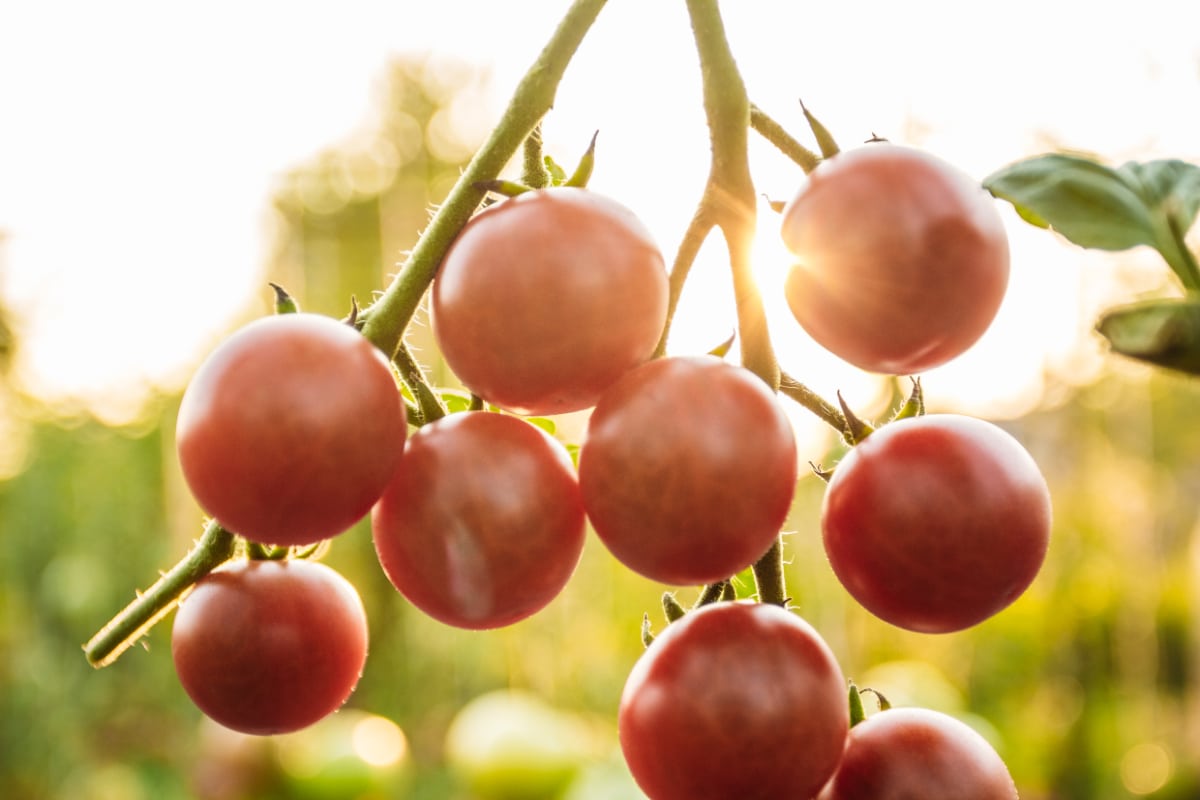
(905, 753)
(290, 430)
(482, 524)
(734, 700)
(688, 469)
(269, 647)
(547, 298)
(901, 260)
(936, 523)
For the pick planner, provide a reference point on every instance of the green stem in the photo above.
(386, 320)
(729, 195)
(428, 403)
(806, 397)
(215, 547)
(1173, 248)
(768, 576)
(774, 133)
(533, 173)
(693, 239)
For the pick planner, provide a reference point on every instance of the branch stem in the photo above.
(386, 320)
(214, 548)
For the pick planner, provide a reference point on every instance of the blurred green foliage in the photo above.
(1089, 685)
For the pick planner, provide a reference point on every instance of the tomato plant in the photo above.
(688, 469)
(482, 524)
(734, 700)
(901, 261)
(545, 299)
(267, 647)
(935, 523)
(905, 753)
(290, 430)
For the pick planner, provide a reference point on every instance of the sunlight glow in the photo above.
(133, 248)
(379, 741)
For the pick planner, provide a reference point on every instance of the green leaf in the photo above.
(544, 423)
(1090, 204)
(1161, 332)
(1170, 186)
(1152, 203)
(455, 400)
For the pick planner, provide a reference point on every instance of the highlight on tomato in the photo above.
(546, 298)
(734, 700)
(265, 647)
(936, 523)
(290, 430)
(482, 524)
(901, 259)
(688, 468)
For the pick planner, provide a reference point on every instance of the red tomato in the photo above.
(547, 298)
(734, 700)
(906, 753)
(901, 260)
(936, 523)
(269, 647)
(482, 524)
(688, 469)
(290, 430)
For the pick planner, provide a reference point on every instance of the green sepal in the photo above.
(284, 302)
(825, 141)
(1165, 333)
(857, 429)
(722, 350)
(672, 610)
(558, 175)
(503, 187)
(914, 404)
(587, 163)
(857, 713)
(646, 632)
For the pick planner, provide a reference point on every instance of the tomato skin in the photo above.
(936, 523)
(482, 524)
(289, 431)
(267, 647)
(902, 260)
(545, 299)
(734, 700)
(916, 753)
(688, 469)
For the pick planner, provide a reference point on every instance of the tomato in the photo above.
(269, 647)
(901, 260)
(905, 753)
(936, 523)
(546, 298)
(291, 429)
(482, 524)
(734, 700)
(687, 469)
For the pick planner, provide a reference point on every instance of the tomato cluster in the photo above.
(553, 301)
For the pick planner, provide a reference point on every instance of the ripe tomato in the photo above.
(269, 647)
(482, 524)
(289, 431)
(905, 753)
(688, 469)
(734, 700)
(547, 298)
(901, 260)
(936, 523)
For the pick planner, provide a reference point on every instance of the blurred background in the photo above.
(158, 165)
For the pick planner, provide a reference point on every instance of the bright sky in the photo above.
(140, 142)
